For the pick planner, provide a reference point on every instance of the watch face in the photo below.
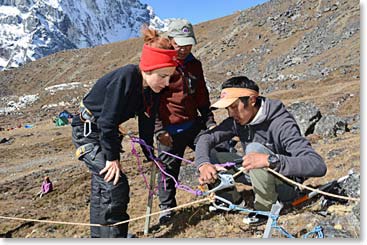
(273, 161)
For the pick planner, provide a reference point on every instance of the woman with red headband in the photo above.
(116, 97)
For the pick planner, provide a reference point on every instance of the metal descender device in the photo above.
(226, 181)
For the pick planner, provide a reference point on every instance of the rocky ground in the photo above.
(46, 149)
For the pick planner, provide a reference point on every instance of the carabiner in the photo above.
(89, 123)
(226, 181)
(223, 201)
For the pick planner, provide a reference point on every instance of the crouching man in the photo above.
(270, 138)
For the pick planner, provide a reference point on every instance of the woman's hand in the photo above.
(113, 169)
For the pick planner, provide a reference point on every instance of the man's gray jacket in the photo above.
(276, 129)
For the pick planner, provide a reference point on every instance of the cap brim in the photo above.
(183, 41)
(224, 103)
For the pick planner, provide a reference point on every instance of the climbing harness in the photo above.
(85, 149)
(87, 117)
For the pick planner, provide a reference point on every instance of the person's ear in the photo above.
(253, 100)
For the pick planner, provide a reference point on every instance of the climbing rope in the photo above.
(157, 160)
(301, 186)
(99, 225)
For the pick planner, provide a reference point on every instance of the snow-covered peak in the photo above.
(31, 29)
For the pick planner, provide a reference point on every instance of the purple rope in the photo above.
(157, 160)
(134, 152)
(142, 142)
(148, 147)
(177, 184)
(140, 168)
(227, 164)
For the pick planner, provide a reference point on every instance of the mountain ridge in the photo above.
(34, 29)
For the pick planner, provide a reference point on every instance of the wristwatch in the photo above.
(273, 161)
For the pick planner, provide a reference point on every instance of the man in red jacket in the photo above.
(178, 121)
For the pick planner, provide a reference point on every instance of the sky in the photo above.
(197, 11)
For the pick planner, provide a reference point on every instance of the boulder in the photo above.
(331, 126)
(306, 115)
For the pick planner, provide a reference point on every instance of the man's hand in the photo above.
(165, 139)
(255, 160)
(113, 169)
(208, 173)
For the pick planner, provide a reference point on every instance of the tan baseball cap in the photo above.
(181, 30)
(229, 95)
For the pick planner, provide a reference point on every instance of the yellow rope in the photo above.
(166, 210)
(48, 221)
(119, 223)
(302, 186)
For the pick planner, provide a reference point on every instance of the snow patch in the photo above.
(64, 86)
(12, 105)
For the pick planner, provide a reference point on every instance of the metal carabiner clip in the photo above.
(223, 201)
(226, 181)
(89, 123)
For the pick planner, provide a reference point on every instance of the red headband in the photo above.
(155, 58)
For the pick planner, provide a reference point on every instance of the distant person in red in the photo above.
(183, 112)
(127, 92)
(46, 187)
